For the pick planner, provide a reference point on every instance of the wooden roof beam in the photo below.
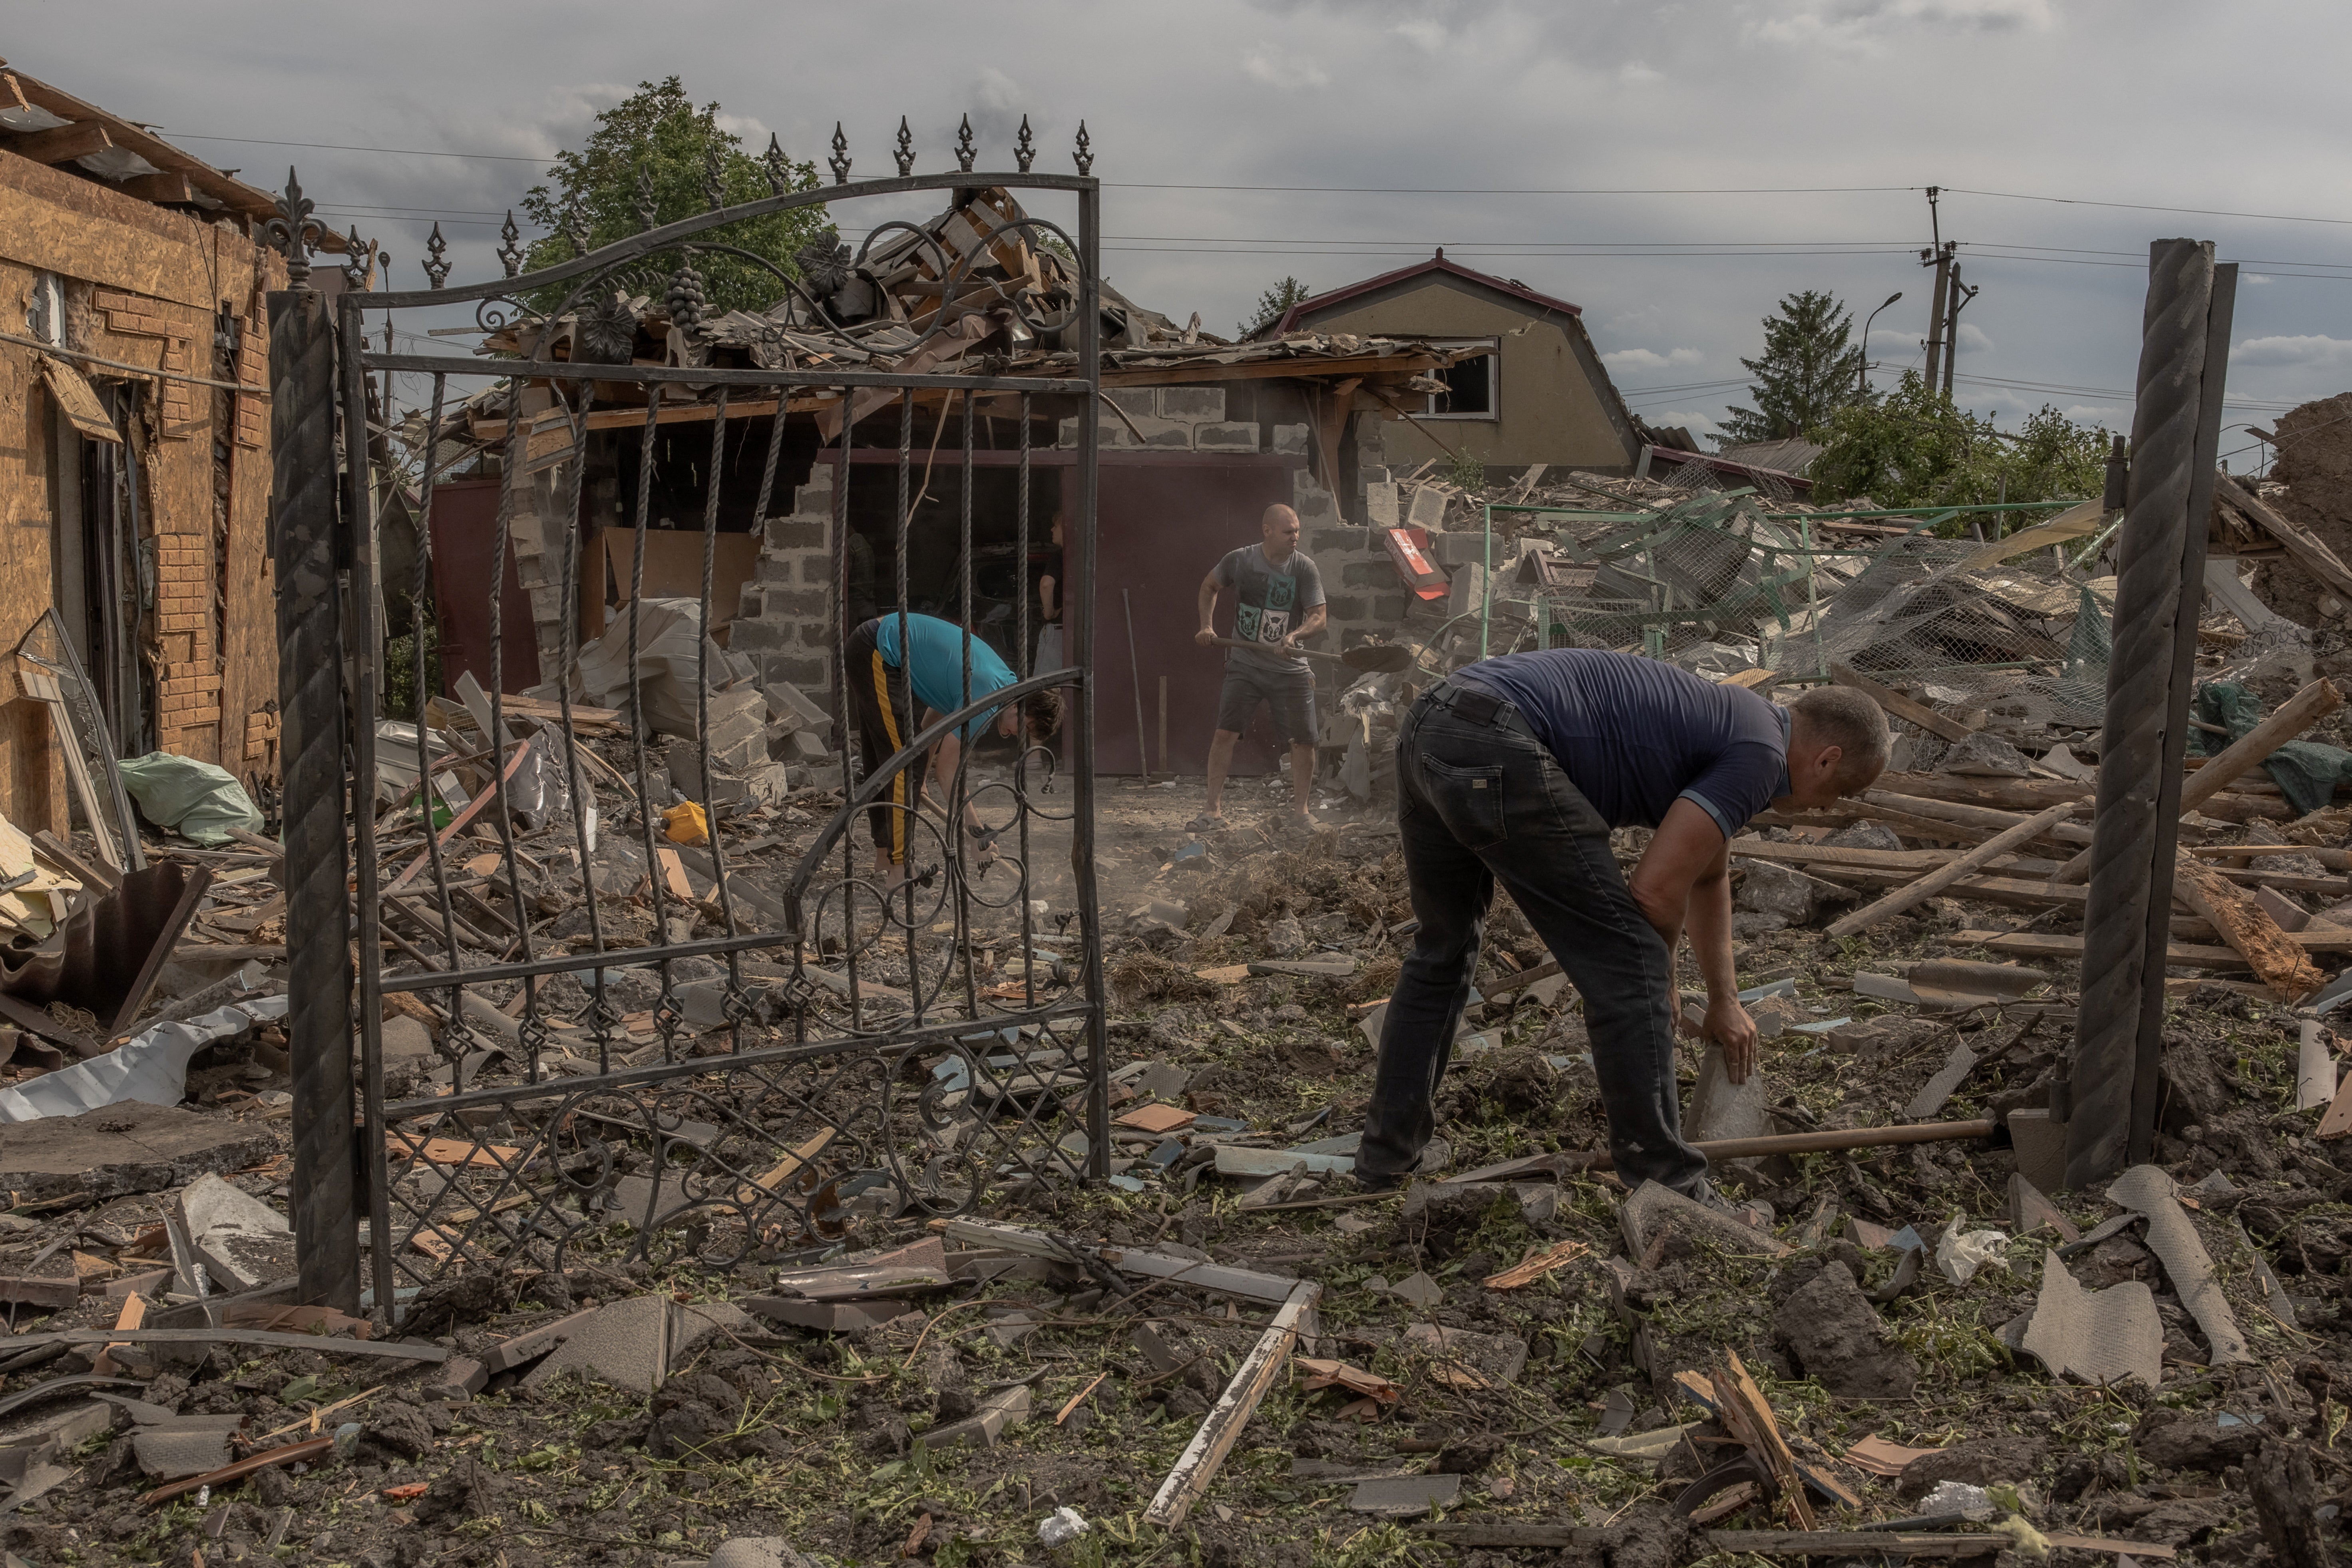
(63, 144)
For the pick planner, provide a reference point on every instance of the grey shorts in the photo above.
(1290, 695)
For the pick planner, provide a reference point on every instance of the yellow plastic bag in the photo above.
(685, 823)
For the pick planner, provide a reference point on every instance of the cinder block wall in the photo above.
(784, 624)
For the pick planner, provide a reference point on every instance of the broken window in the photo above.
(1469, 389)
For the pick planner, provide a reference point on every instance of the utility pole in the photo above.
(1937, 255)
(1960, 295)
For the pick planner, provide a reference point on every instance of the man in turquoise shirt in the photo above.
(948, 669)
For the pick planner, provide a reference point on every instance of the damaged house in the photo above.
(1198, 435)
(136, 460)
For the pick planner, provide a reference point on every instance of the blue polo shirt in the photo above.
(936, 672)
(1635, 734)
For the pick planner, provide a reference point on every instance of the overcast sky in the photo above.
(1672, 168)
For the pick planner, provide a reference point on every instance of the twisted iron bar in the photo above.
(310, 705)
(2141, 700)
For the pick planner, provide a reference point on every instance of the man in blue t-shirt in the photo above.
(897, 697)
(1514, 770)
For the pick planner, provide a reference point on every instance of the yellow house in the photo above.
(1543, 396)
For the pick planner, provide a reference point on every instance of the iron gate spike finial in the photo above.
(965, 151)
(1025, 149)
(355, 267)
(779, 168)
(436, 264)
(904, 154)
(1084, 154)
(646, 210)
(295, 231)
(509, 252)
(714, 177)
(576, 228)
(840, 159)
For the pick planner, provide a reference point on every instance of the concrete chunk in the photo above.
(130, 1147)
(626, 1343)
(457, 1379)
(243, 1242)
(1000, 1412)
(827, 1317)
(1721, 1109)
(1655, 1209)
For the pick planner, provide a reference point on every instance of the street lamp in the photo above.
(1861, 372)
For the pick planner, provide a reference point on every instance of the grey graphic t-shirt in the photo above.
(1270, 603)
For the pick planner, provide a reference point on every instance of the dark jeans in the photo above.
(878, 689)
(1480, 799)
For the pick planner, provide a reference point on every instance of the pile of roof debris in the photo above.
(1928, 1349)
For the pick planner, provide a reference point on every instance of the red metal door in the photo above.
(1160, 526)
(464, 533)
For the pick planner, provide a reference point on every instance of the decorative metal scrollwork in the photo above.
(714, 177)
(904, 154)
(965, 149)
(295, 232)
(359, 261)
(1024, 149)
(437, 259)
(509, 252)
(1085, 156)
(687, 297)
(576, 228)
(779, 167)
(840, 159)
(647, 210)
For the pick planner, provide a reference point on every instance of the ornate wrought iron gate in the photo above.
(806, 1047)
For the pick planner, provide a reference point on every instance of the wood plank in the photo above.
(1221, 1427)
(1943, 876)
(1900, 706)
(63, 143)
(1984, 819)
(2315, 556)
(2292, 717)
(1747, 1414)
(2075, 522)
(2042, 944)
(2271, 953)
(2033, 794)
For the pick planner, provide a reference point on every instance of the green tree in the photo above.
(1914, 448)
(1809, 371)
(659, 131)
(1272, 305)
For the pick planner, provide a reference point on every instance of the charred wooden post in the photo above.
(306, 519)
(2184, 347)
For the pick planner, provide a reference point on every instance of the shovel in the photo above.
(1372, 657)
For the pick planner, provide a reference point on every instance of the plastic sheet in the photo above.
(200, 800)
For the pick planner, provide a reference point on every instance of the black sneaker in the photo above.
(1755, 1215)
(1371, 1182)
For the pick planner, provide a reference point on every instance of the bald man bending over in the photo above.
(1278, 600)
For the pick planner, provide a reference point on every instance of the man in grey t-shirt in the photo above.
(1278, 600)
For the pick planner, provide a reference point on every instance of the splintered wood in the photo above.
(1747, 1415)
(2247, 927)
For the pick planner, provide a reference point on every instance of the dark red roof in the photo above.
(1437, 263)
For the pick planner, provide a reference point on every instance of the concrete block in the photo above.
(1346, 607)
(1069, 433)
(1465, 549)
(1226, 437)
(1140, 403)
(1391, 608)
(1721, 1109)
(1467, 594)
(457, 1379)
(1194, 403)
(1381, 505)
(1364, 574)
(519, 1350)
(1291, 438)
(798, 532)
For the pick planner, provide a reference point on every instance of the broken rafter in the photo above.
(1221, 1427)
(1943, 876)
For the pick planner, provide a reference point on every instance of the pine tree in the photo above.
(1271, 306)
(1808, 371)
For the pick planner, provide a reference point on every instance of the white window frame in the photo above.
(1494, 410)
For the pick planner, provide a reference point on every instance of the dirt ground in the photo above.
(818, 1440)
